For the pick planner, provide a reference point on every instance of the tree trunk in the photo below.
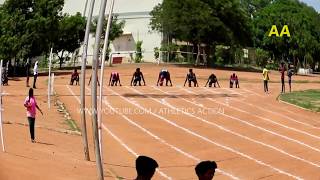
(198, 55)
(61, 60)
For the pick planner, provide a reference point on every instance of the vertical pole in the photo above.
(105, 47)
(1, 128)
(49, 80)
(94, 87)
(85, 9)
(52, 83)
(83, 83)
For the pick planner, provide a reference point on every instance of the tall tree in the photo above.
(115, 31)
(203, 22)
(70, 35)
(303, 23)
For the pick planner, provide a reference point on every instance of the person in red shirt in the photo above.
(74, 77)
(114, 79)
(282, 70)
(234, 80)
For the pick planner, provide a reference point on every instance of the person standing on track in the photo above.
(27, 72)
(191, 77)
(136, 78)
(114, 79)
(265, 74)
(282, 70)
(290, 74)
(74, 77)
(31, 104)
(35, 74)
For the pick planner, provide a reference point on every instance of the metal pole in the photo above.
(94, 87)
(105, 47)
(52, 83)
(83, 83)
(49, 80)
(1, 128)
(85, 9)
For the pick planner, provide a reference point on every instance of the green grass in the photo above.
(309, 99)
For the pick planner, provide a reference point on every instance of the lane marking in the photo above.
(116, 138)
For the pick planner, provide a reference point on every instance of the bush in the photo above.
(261, 57)
(139, 56)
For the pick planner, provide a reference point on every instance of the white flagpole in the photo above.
(1, 128)
(105, 47)
(52, 83)
(49, 80)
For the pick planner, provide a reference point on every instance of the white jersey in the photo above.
(35, 69)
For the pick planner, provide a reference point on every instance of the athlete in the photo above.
(114, 79)
(212, 80)
(282, 70)
(136, 78)
(234, 80)
(290, 74)
(74, 77)
(191, 77)
(164, 75)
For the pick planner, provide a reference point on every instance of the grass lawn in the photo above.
(309, 99)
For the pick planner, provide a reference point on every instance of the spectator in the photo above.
(145, 167)
(205, 170)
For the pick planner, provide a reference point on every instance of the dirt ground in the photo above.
(247, 132)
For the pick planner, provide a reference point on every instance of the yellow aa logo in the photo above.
(274, 31)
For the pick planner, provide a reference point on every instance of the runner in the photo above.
(74, 77)
(114, 79)
(136, 78)
(191, 77)
(164, 75)
(234, 80)
(212, 80)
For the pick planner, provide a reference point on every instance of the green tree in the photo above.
(70, 35)
(139, 55)
(303, 22)
(116, 30)
(28, 27)
(203, 22)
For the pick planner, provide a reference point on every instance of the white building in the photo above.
(137, 19)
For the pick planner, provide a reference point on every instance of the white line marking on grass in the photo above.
(202, 137)
(266, 130)
(278, 114)
(106, 102)
(116, 138)
(242, 136)
(281, 109)
(266, 119)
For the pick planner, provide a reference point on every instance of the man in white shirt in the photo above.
(35, 74)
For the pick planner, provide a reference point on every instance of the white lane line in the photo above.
(263, 129)
(115, 137)
(278, 114)
(273, 112)
(242, 136)
(266, 119)
(204, 138)
(106, 102)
